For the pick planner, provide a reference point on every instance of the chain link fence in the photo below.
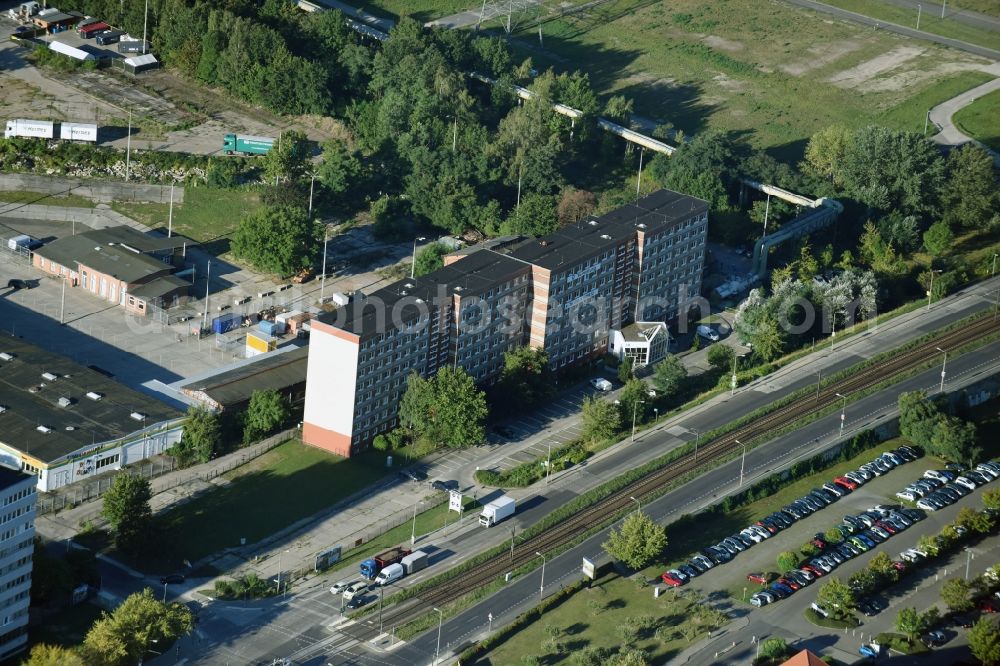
(153, 469)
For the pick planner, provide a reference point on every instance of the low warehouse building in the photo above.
(230, 390)
(66, 423)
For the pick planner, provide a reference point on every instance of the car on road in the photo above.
(338, 588)
(172, 579)
(444, 486)
(413, 474)
(704, 562)
(689, 570)
(845, 482)
(762, 599)
(355, 591)
(671, 579)
(988, 606)
(927, 505)
(16, 284)
(708, 333)
(934, 638)
(870, 651)
(760, 578)
(820, 610)
(601, 384)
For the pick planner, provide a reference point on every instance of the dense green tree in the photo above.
(201, 439)
(721, 357)
(956, 594)
(122, 637)
(619, 109)
(536, 216)
(836, 596)
(276, 240)
(701, 167)
(971, 195)
(526, 379)
(879, 253)
(825, 152)
(445, 409)
(984, 641)
(601, 419)
(126, 508)
(787, 560)
(625, 370)
(43, 654)
(267, 411)
(774, 649)
(991, 498)
(288, 159)
(341, 169)
(911, 623)
(917, 416)
(637, 542)
(430, 258)
(888, 169)
(668, 375)
(634, 401)
(901, 232)
(575, 205)
(938, 238)
(955, 439)
(627, 657)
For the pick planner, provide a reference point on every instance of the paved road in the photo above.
(966, 16)
(941, 115)
(992, 54)
(314, 637)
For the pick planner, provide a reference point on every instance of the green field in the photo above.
(988, 7)
(981, 119)
(929, 21)
(286, 484)
(591, 619)
(68, 200)
(770, 72)
(207, 214)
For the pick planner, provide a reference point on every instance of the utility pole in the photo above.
(944, 6)
(638, 183)
(208, 277)
(437, 652)
(743, 461)
(128, 144)
(732, 383)
(843, 412)
(145, 16)
(767, 210)
(930, 289)
(635, 412)
(62, 304)
(312, 183)
(170, 215)
(919, 8)
(944, 367)
(819, 375)
(322, 280)
(548, 464)
(454, 135)
(968, 562)
(541, 588)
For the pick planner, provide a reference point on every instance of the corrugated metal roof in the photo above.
(138, 61)
(71, 51)
(232, 387)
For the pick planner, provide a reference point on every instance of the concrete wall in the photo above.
(95, 190)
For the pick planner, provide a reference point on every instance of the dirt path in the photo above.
(941, 115)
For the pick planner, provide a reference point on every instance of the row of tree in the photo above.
(925, 423)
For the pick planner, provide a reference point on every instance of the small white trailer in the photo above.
(78, 132)
(35, 129)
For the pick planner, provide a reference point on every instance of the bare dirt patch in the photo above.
(729, 84)
(906, 79)
(723, 44)
(820, 56)
(856, 76)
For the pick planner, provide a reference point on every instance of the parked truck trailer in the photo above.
(46, 129)
(242, 144)
(497, 510)
(371, 566)
(78, 132)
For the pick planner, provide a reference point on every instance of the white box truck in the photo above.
(35, 129)
(496, 511)
(414, 562)
(78, 132)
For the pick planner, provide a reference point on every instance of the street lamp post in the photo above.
(548, 464)
(930, 288)
(743, 461)
(819, 376)
(843, 412)
(695, 431)
(638, 503)
(437, 652)
(128, 144)
(968, 562)
(322, 279)
(944, 367)
(413, 527)
(541, 588)
(164, 593)
(656, 414)
(381, 593)
(732, 383)
(413, 265)
(312, 183)
(635, 412)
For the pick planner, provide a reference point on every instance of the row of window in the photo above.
(10, 550)
(19, 495)
(17, 529)
(14, 582)
(16, 513)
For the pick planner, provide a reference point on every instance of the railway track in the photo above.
(708, 453)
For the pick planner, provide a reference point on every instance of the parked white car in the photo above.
(708, 333)
(601, 384)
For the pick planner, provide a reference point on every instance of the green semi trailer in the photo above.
(241, 144)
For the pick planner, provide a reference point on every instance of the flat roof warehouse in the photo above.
(53, 409)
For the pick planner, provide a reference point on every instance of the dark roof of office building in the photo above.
(32, 402)
(11, 477)
(159, 287)
(109, 251)
(570, 245)
(472, 275)
(276, 371)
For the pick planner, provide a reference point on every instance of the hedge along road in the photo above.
(470, 625)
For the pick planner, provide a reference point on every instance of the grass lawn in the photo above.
(286, 484)
(68, 200)
(591, 618)
(67, 627)
(988, 7)
(930, 21)
(769, 71)
(981, 119)
(207, 214)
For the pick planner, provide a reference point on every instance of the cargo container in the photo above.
(78, 132)
(242, 144)
(271, 328)
(91, 29)
(296, 323)
(284, 316)
(109, 37)
(414, 562)
(496, 511)
(132, 46)
(37, 129)
(371, 566)
(227, 322)
(260, 343)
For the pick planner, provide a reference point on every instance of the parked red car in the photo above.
(795, 585)
(900, 566)
(769, 528)
(987, 606)
(760, 578)
(846, 483)
(671, 579)
(816, 571)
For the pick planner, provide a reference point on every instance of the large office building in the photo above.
(17, 533)
(564, 293)
(64, 422)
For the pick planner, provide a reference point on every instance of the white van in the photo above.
(390, 574)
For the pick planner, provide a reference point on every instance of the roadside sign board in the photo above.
(327, 559)
(455, 501)
(588, 569)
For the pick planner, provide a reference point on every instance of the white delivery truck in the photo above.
(390, 574)
(78, 132)
(496, 511)
(414, 562)
(35, 129)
